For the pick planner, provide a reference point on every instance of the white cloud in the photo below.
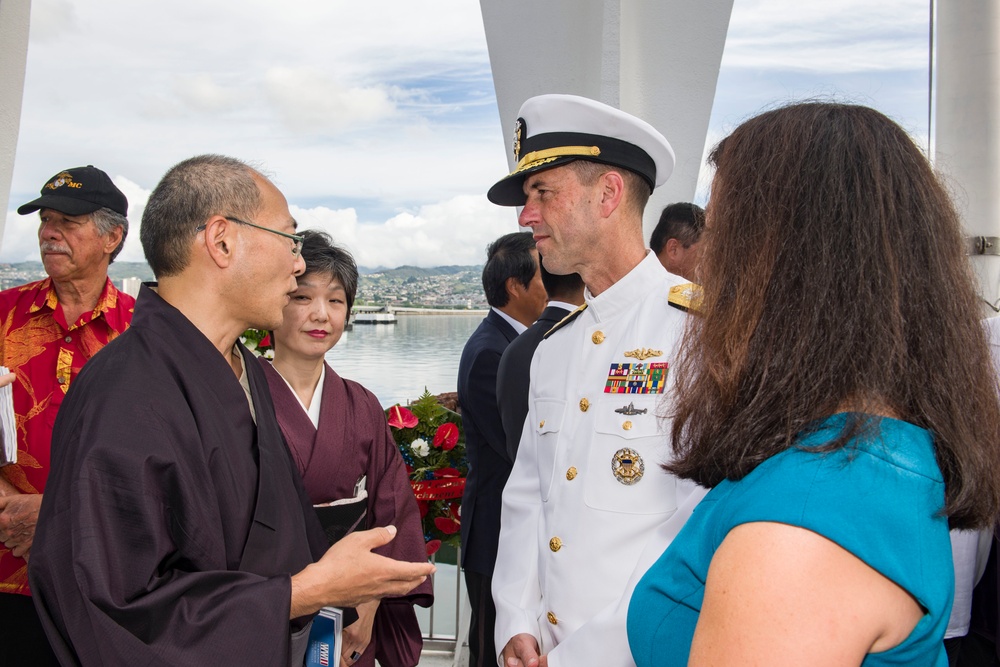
(828, 37)
(311, 102)
(203, 93)
(137, 197)
(455, 231)
(20, 238)
(377, 119)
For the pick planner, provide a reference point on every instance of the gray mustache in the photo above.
(48, 246)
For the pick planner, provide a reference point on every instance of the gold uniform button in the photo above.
(571, 473)
(584, 405)
(627, 426)
(541, 424)
(555, 544)
(597, 337)
(552, 618)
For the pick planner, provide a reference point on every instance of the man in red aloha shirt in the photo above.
(48, 330)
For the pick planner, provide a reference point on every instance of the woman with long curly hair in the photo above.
(838, 396)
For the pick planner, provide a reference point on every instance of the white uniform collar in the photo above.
(562, 304)
(632, 288)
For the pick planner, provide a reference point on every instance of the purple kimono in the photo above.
(354, 440)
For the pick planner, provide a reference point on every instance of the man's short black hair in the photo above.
(561, 288)
(508, 257)
(681, 221)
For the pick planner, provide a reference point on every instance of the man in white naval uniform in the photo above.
(586, 496)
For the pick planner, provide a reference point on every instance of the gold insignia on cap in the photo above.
(597, 337)
(555, 544)
(584, 405)
(571, 473)
(518, 134)
(627, 466)
(65, 178)
(536, 158)
(644, 353)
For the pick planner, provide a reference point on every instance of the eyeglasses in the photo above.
(296, 238)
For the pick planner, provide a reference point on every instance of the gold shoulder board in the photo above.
(564, 321)
(686, 297)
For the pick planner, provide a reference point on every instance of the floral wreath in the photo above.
(432, 443)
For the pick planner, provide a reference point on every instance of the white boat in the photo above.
(368, 317)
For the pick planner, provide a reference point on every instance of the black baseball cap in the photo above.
(79, 191)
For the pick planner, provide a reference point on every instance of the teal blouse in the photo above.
(878, 498)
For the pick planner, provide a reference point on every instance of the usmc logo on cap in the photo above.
(65, 178)
(519, 130)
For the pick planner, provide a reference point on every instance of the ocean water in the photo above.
(397, 361)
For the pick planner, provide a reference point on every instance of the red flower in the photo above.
(446, 436)
(433, 546)
(400, 417)
(447, 472)
(265, 341)
(447, 525)
(422, 506)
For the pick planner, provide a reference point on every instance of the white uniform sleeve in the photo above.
(516, 590)
(606, 634)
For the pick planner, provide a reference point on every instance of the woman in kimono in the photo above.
(340, 441)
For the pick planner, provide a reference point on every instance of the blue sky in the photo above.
(378, 119)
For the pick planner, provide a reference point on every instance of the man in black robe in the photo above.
(175, 530)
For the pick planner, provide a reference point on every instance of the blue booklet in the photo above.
(324, 638)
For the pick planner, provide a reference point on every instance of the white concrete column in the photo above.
(14, 20)
(967, 122)
(671, 54)
(656, 59)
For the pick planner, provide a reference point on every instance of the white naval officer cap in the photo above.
(552, 130)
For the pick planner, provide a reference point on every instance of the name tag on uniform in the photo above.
(637, 378)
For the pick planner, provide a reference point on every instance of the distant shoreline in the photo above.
(439, 311)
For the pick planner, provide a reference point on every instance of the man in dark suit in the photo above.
(513, 285)
(565, 296)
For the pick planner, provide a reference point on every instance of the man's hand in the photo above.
(18, 515)
(358, 634)
(522, 651)
(349, 574)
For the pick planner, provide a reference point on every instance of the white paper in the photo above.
(8, 426)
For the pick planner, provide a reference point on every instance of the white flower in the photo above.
(268, 354)
(420, 447)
